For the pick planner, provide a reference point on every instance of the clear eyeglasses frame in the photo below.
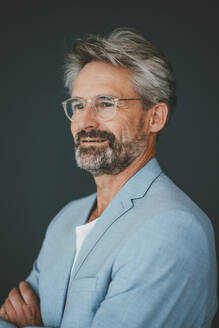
(103, 106)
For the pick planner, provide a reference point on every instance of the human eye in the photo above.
(105, 102)
(77, 105)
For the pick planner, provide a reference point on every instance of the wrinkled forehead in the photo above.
(98, 78)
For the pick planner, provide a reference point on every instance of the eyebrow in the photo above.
(99, 95)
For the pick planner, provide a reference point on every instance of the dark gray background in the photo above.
(38, 171)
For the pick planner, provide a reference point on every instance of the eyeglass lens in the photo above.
(104, 107)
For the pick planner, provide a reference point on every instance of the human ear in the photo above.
(158, 117)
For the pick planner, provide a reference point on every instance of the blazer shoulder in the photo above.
(167, 202)
(170, 196)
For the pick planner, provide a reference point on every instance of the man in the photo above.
(149, 259)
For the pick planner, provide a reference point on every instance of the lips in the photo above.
(93, 140)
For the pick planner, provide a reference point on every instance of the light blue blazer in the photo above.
(149, 261)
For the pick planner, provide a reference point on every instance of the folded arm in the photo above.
(22, 307)
(16, 311)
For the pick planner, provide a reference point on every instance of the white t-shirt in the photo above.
(81, 233)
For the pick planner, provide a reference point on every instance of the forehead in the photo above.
(98, 78)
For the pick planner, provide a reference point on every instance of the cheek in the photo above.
(124, 132)
(127, 129)
(73, 131)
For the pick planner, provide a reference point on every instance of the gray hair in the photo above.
(152, 74)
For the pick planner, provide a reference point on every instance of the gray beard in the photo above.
(111, 158)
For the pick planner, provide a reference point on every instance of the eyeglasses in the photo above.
(104, 107)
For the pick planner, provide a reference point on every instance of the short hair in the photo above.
(151, 72)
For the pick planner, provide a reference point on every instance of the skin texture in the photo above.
(22, 306)
(98, 78)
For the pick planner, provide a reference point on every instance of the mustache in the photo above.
(95, 134)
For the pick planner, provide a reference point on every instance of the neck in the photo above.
(109, 185)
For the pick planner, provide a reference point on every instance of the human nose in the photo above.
(87, 119)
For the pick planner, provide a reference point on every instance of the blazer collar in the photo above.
(141, 181)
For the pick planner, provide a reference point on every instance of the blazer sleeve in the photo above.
(5, 324)
(33, 277)
(160, 276)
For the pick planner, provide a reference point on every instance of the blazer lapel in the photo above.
(65, 252)
(134, 188)
(113, 211)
